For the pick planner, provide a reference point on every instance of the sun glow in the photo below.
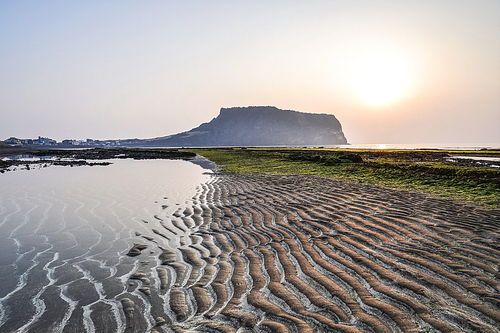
(379, 78)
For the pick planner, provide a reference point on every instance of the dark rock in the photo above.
(258, 126)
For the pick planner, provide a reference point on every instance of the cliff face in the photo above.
(259, 126)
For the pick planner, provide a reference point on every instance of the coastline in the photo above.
(469, 176)
(73, 157)
(6, 151)
(258, 252)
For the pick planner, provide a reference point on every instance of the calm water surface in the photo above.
(445, 146)
(65, 232)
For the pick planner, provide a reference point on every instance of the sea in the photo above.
(445, 146)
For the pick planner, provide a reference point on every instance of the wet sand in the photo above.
(272, 253)
(242, 253)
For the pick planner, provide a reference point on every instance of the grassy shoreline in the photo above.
(419, 170)
(427, 171)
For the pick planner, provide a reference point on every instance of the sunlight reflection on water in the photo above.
(64, 233)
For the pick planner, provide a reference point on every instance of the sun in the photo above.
(379, 78)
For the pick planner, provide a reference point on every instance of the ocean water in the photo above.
(65, 233)
(447, 146)
(450, 146)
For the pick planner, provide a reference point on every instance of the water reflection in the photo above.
(65, 233)
(28, 157)
(204, 163)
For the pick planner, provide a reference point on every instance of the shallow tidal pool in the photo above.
(65, 233)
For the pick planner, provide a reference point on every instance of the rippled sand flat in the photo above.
(310, 254)
(251, 253)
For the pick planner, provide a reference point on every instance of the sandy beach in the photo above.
(120, 249)
(307, 254)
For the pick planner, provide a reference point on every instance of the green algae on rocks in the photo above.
(428, 171)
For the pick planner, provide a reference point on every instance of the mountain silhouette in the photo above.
(258, 126)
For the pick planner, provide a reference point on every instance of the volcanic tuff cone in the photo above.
(259, 126)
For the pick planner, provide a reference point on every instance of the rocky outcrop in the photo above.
(259, 126)
(7, 150)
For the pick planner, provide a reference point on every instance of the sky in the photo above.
(400, 72)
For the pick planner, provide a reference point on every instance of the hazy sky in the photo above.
(126, 69)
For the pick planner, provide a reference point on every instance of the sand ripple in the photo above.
(255, 253)
(305, 254)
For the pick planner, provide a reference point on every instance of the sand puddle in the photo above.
(65, 234)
